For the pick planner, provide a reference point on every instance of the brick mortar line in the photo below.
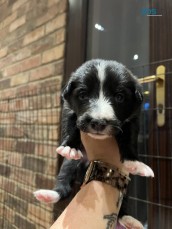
(35, 203)
(29, 186)
(33, 83)
(44, 24)
(30, 9)
(30, 69)
(29, 220)
(32, 43)
(30, 83)
(29, 140)
(24, 186)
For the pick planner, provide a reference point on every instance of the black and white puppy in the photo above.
(103, 99)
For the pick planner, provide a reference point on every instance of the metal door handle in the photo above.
(160, 92)
(160, 95)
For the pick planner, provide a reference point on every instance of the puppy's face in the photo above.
(103, 95)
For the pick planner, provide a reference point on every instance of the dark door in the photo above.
(160, 156)
(160, 142)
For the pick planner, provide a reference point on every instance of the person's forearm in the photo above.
(95, 206)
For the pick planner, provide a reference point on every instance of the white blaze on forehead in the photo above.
(101, 108)
(101, 71)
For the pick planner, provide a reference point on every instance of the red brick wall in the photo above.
(32, 44)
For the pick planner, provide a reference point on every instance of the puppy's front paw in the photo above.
(47, 196)
(69, 153)
(130, 223)
(138, 168)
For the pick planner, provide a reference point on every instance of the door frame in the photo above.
(76, 37)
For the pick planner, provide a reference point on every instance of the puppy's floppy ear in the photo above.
(139, 95)
(67, 90)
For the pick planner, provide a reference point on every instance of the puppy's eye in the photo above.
(119, 98)
(82, 96)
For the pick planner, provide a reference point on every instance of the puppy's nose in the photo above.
(98, 125)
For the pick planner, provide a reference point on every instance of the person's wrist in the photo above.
(106, 173)
(113, 160)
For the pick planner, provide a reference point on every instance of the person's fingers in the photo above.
(106, 150)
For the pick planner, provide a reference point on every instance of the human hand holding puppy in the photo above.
(105, 150)
(96, 204)
(105, 144)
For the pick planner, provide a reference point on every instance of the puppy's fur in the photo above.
(102, 98)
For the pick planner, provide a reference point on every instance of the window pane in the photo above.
(119, 30)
